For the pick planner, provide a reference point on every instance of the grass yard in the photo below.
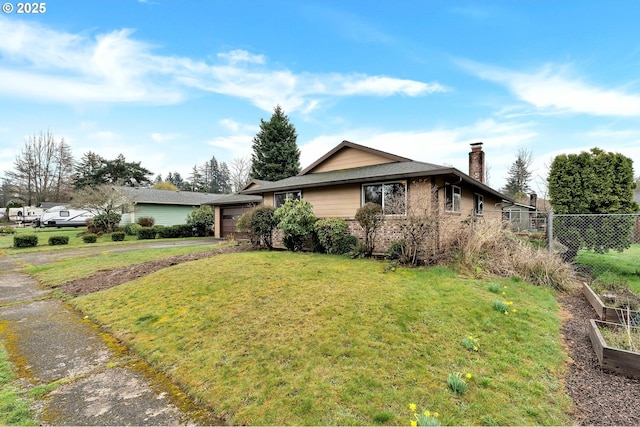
(615, 265)
(14, 408)
(6, 240)
(266, 338)
(76, 267)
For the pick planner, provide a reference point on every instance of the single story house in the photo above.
(350, 175)
(166, 207)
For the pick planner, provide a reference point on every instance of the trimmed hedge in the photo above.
(58, 240)
(90, 238)
(146, 233)
(7, 230)
(25, 241)
(117, 236)
(175, 231)
(132, 229)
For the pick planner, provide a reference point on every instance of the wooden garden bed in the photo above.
(613, 359)
(604, 312)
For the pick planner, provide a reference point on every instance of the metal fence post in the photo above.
(550, 231)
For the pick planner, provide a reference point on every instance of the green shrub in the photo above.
(117, 236)
(175, 231)
(159, 228)
(58, 240)
(296, 219)
(146, 221)
(25, 241)
(202, 220)
(397, 250)
(90, 238)
(105, 222)
(7, 230)
(331, 233)
(259, 223)
(146, 233)
(132, 228)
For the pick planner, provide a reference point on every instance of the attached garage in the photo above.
(230, 216)
(228, 210)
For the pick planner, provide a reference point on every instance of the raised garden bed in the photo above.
(607, 311)
(614, 358)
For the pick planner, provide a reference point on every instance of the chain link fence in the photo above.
(584, 239)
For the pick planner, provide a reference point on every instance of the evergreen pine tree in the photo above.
(275, 153)
(519, 175)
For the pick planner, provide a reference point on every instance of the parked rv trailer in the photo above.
(60, 216)
(25, 214)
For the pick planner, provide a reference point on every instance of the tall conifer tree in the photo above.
(275, 153)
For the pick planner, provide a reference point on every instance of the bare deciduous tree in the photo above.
(239, 170)
(42, 170)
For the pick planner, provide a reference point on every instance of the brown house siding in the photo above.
(350, 158)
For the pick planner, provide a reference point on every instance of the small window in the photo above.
(478, 203)
(392, 196)
(280, 198)
(64, 214)
(453, 198)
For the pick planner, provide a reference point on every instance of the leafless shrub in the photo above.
(419, 225)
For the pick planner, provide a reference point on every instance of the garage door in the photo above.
(230, 217)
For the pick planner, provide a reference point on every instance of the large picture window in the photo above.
(392, 196)
(453, 198)
(280, 198)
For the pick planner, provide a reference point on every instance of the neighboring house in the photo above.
(531, 216)
(350, 175)
(166, 207)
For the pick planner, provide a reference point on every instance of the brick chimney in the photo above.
(476, 162)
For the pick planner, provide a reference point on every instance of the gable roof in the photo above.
(346, 145)
(373, 173)
(167, 197)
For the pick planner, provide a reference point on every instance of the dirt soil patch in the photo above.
(106, 279)
(601, 398)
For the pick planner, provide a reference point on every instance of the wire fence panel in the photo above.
(594, 233)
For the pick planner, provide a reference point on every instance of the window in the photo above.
(280, 198)
(392, 196)
(478, 203)
(64, 213)
(453, 198)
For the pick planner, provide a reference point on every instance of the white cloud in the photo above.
(442, 146)
(44, 64)
(552, 88)
(236, 145)
(163, 137)
(239, 55)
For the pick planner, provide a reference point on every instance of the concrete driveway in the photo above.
(93, 379)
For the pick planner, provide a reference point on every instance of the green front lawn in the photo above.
(267, 338)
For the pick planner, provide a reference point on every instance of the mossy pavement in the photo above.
(77, 374)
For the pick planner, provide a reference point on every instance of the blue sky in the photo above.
(172, 83)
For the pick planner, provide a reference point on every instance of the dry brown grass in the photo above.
(488, 245)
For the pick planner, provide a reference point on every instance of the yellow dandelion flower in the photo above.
(504, 293)
(414, 423)
(475, 348)
(509, 302)
(412, 407)
(468, 375)
(505, 286)
(427, 413)
(514, 310)
(470, 337)
(506, 312)
(436, 415)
